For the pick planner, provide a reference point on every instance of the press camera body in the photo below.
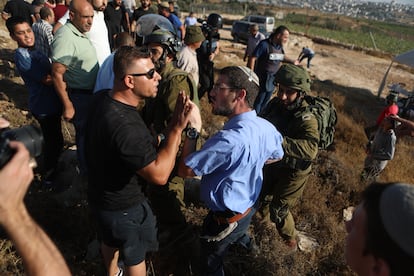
(29, 135)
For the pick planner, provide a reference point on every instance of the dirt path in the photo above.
(341, 66)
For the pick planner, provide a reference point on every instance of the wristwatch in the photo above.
(192, 133)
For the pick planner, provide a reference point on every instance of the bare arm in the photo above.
(182, 29)
(251, 62)
(290, 60)
(58, 70)
(40, 256)
(56, 27)
(406, 128)
(158, 171)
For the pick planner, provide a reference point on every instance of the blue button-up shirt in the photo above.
(231, 162)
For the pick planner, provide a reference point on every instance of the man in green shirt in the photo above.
(74, 70)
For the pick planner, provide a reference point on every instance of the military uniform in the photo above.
(166, 201)
(284, 181)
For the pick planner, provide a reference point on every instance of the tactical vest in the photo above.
(270, 62)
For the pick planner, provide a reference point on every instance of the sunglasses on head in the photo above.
(150, 74)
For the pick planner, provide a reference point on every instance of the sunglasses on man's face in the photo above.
(150, 74)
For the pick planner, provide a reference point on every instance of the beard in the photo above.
(222, 111)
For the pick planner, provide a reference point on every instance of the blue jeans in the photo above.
(81, 104)
(213, 252)
(266, 90)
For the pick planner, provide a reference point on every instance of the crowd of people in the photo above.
(133, 98)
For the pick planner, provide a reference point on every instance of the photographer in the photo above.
(208, 50)
(40, 256)
(380, 149)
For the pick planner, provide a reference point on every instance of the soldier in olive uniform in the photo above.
(177, 239)
(284, 181)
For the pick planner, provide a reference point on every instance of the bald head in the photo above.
(81, 15)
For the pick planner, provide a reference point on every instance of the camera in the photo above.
(210, 31)
(29, 135)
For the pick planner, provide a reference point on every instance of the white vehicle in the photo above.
(267, 22)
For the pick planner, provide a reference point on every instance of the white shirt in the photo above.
(187, 61)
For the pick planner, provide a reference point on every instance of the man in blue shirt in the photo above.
(231, 164)
(164, 10)
(35, 68)
(266, 60)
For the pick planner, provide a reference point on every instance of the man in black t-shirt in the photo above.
(18, 8)
(116, 20)
(122, 156)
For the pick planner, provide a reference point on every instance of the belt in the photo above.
(80, 91)
(227, 220)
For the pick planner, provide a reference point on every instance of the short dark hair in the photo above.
(45, 12)
(279, 30)
(238, 79)
(11, 22)
(125, 56)
(378, 242)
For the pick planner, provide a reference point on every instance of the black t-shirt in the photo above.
(19, 8)
(118, 144)
(114, 17)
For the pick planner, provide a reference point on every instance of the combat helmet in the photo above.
(215, 20)
(168, 40)
(293, 76)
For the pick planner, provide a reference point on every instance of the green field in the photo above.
(388, 37)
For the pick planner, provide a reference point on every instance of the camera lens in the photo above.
(29, 135)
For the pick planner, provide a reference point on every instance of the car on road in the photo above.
(240, 30)
(267, 23)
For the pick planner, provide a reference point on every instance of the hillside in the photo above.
(349, 78)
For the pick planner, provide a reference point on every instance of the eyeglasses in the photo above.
(150, 74)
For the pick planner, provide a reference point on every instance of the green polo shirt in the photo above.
(73, 49)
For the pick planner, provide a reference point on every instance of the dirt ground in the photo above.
(339, 65)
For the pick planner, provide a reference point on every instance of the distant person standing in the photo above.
(266, 61)
(130, 6)
(145, 8)
(380, 150)
(116, 18)
(43, 30)
(187, 57)
(18, 8)
(306, 53)
(254, 38)
(208, 51)
(60, 9)
(190, 20)
(164, 10)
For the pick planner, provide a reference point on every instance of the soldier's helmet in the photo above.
(215, 20)
(168, 40)
(293, 76)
